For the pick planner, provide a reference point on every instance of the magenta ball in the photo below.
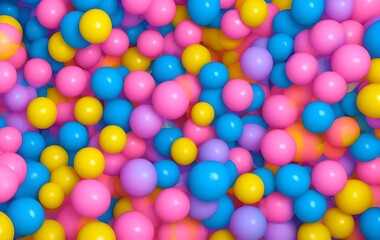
(329, 87)
(139, 86)
(16, 163)
(279, 111)
(326, 36)
(136, 7)
(201, 210)
(50, 13)
(71, 81)
(160, 12)
(150, 43)
(232, 25)
(242, 159)
(116, 44)
(354, 32)
(8, 76)
(37, 72)
(145, 121)
(17, 98)
(88, 57)
(339, 10)
(172, 205)
(237, 95)
(278, 147)
(11, 139)
(214, 149)
(302, 43)
(283, 231)
(301, 68)
(187, 33)
(277, 208)
(133, 225)
(252, 137)
(256, 63)
(369, 172)
(8, 183)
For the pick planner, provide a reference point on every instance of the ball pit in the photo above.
(189, 119)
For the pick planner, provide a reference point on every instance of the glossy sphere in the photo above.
(340, 224)
(139, 86)
(307, 12)
(106, 83)
(202, 114)
(368, 171)
(50, 13)
(37, 72)
(42, 112)
(301, 68)
(369, 223)
(133, 225)
(343, 132)
(145, 121)
(317, 117)
(279, 111)
(65, 177)
(11, 139)
(184, 151)
(88, 111)
(329, 177)
(172, 205)
(249, 188)
(278, 147)
(95, 26)
(150, 43)
(256, 63)
(50, 230)
(253, 13)
(292, 180)
(59, 50)
(73, 136)
(8, 183)
(89, 162)
(51, 195)
(187, 33)
(277, 208)
(53, 157)
(160, 12)
(71, 81)
(96, 230)
(229, 127)
(203, 12)
(112, 139)
(10, 41)
(213, 75)
(366, 148)
(313, 231)
(116, 44)
(329, 87)
(194, 57)
(237, 95)
(168, 173)
(326, 36)
(368, 100)
(248, 222)
(310, 206)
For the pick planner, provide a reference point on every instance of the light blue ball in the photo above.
(73, 136)
(203, 12)
(281, 47)
(317, 117)
(307, 12)
(292, 180)
(168, 173)
(229, 127)
(369, 223)
(106, 83)
(310, 207)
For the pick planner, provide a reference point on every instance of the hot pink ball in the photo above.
(8, 76)
(114, 163)
(160, 12)
(90, 198)
(50, 13)
(136, 7)
(354, 32)
(171, 46)
(172, 205)
(278, 147)
(139, 86)
(133, 225)
(150, 43)
(191, 85)
(65, 113)
(170, 100)
(329, 87)
(277, 208)
(329, 177)
(16, 163)
(369, 172)
(10, 139)
(232, 25)
(88, 57)
(196, 133)
(326, 36)
(8, 183)
(116, 44)
(187, 33)
(71, 81)
(242, 159)
(279, 111)
(37, 72)
(226, 3)
(265, 29)
(237, 95)
(135, 147)
(301, 68)
(365, 10)
(352, 62)
(70, 221)
(302, 43)
(18, 59)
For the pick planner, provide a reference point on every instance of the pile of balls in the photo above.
(189, 119)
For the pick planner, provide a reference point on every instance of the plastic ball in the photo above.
(339, 10)
(8, 75)
(138, 86)
(343, 132)
(371, 38)
(326, 36)
(277, 208)
(280, 46)
(59, 50)
(278, 147)
(248, 222)
(184, 151)
(222, 216)
(229, 127)
(340, 224)
(10, 40)
(252, 137)
(203, 12)
(172, 205)
(201, 210)
(116, 44)
(132, 225)
(150, 43)
(42, 112)
(168, 173)
(51, 195)
(256, 63)
(16, 163)
(187, 33)
(202, 114)
(95, 26)
(317, 117)
(112, 139)
(54, 156)
(71, 81)
(301, 68)
(70, 30)
(89, 162)
(11, 139)
(136, 8)
(329, 87)
(232, 25)
(279, 111)
(329, 177)
(366, 148)
(8, 183)
(166, 67)
(268, 179)
(106, 83)
(134, 60)
(194, 57)
(368, 100)
(96, 230)
(254, 13)
(213, 75)
(160, 12)
(6, 227)
(112, 116)
(73, 136)
(292, 180)
(50, 230)
(214, 149)
(222, 235)
(145, 121)
(37, 72)
(17, 98)
(367, 171)
(312, 231)
(237, 95)
(285, 231)
(164, 139)
(88, 111)
(66, 177)
(50, 13)
(307, 12)
(249, 188)
(242, 159)
(369, 223)
(310, 207)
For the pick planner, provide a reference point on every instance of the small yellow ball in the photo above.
(53, 157)
(51, 195)
(134, 60)
(222, 235)
(95, 26)
(59, 50)
(340, 224)
(66, 177)
(41, 112)
(122, 206)
(184, 151)
(368, 100)
(249, 188)
(96, 231)
(6, 227)
(194, 57)
(89, 162)
(88, 111)
(50, 230)
(373, 75)
(202, 114)
(112, 139)
(254, 12)
(313, 231)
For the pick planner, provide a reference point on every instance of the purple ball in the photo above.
(214, 149)
(19, 121)
(17, 98)
(248, 222)
(283, 231)
(252, 136)
(201, 210)
(138, 177)
(261, 42)
(348, 162)
(339, 10)
(373, 122)
(256, 63)
(145, 121)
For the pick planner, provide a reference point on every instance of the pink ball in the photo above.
(139, 86)
(70, 221)
(37, 72)
(8, 183)
(187, 229)
(329, 87)
(160, 12)
(18, 59)
(265, 29)
(114, 163)
(301, 68)
(150, 43)
(16, 163)
(145, 121)
(71, 81)
(191, 85)
(232, 25)
(8, 76)
(354, 32)
(116, 44)
(133, 225)
(278, 147)
(302, 43)
(145, 205)
(352, 62)
(172, 205)
(326, 36)
(242, 159)
(90, 198)
(170, 100)
(135, 147)
(237, 95)
(65, 113)
(88, 57)
(10, 139)
(171, 46)
(329, 177)
(226, 3)
(279, 111)
(196, 133)
(369, 172)
(50, 13)
(277, 208)
(365, 10)
(136, 7)
(187, 33)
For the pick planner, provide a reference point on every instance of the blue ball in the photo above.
(284, 22)
(166, 68)
(254, 119)
(108, 6)
(258, 99)
(218, 19)
(113, 116)
(164, 139)
(366, 148)
(213, 75)
(39, 49)
(369, 223)
(164, 30)
(221, 218)
(123, 71)
(32, 145)
(278, 76)
(307, 12)
(281, 47)
(34, 30)
(292, 180)
(268, 179)
(134, 32)
(209, 180)
(118, 17)
(215, 99)
(371, 40)
(310, 207)
(73, 136)
(167, 173)
(338, 111)
(3, 123)
(108, 215)
(229, 127)
(348, 104)
(85, 5)
(9, 9)
(258, 160)
(70, 30)
(106, 82)
(27, 215)
(317, 117)
(232, 172)
(363, 124)
(31, 2)
(203, 12)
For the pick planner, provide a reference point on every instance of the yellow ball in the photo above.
(112, 139)
(230, 57)
(368, 100)
(134, 60)
(59, 50)
(53, 157)
(122, 206)
(355, 198)
(66, 177)
(11, 21)
(50, 230)
(181, 14)
(95, 26)
(184, 151)
(283, 4)
(313, 231)
(210, 38)
(89, 162)
(41, 112)
(340, 224)
(194, 57)
(202, 114)
(7, 231)
(249, 188)
(96, 231)
(373, 75)
(228, 43)
(88, 111)
(254, 12)
(51, 195)
(54, 95)
(222, 235)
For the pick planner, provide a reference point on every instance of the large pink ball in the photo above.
(16, 163)
(237, 95)
(354, 32)
(242, 159)
(187, 33)
(136, 7)
(160, 12)
(329, 177)
(116, 44)
(145, 121)
(326, 36)
(301, 68)
(70, 221)
(329, 87)
(365, 10)
(10, 139)
(150, 43)
(8, 76)
(279, 111)
(50, 13)
(172, 205)
(277, 208)
(133, 225)
(71, 81)
(232, 25)
(278, 147)
(8, 183)
(139, 86)
(369, 172)
(37, 72)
